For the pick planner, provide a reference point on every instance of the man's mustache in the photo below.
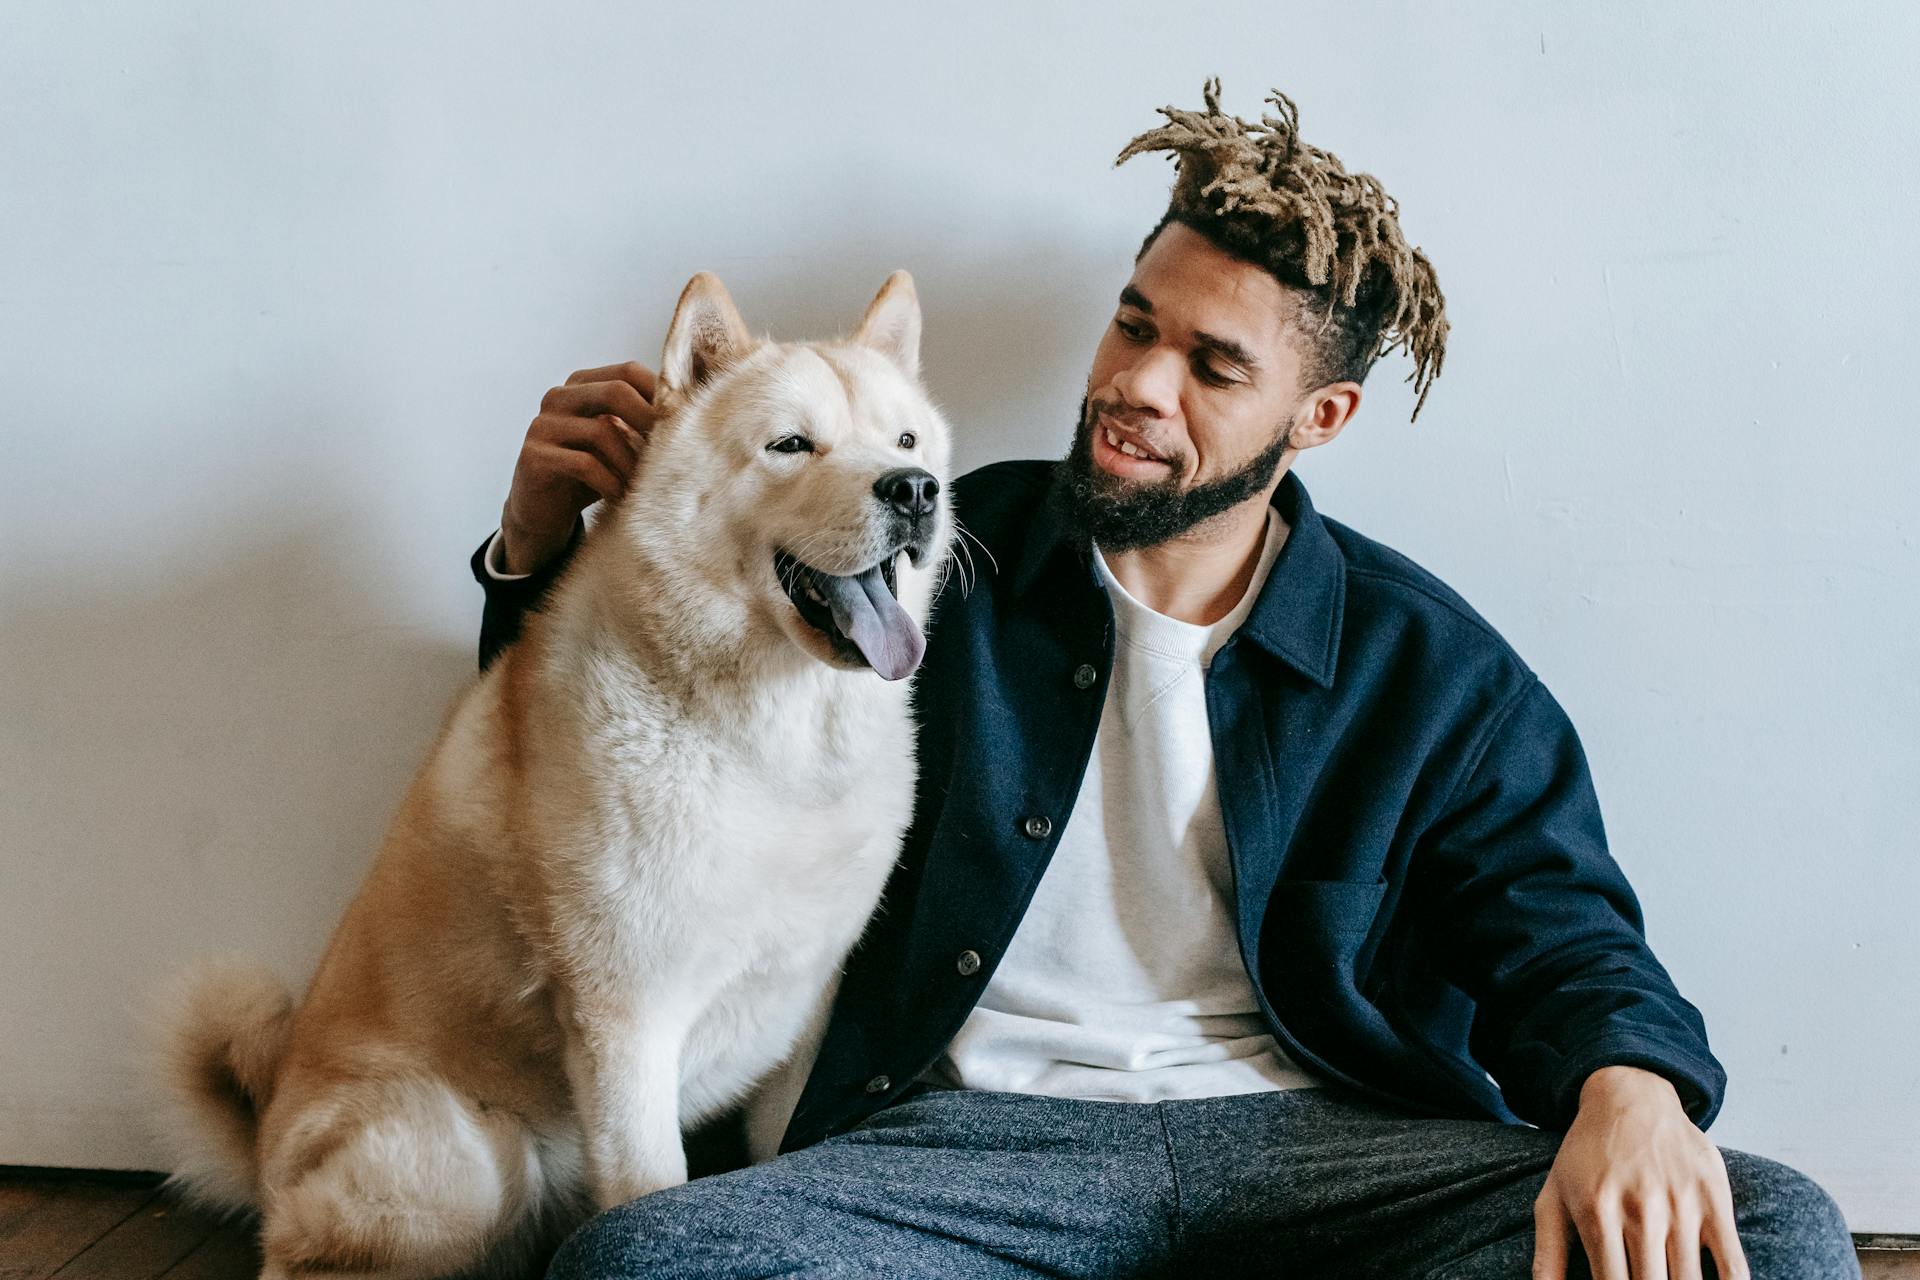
(1132, 419)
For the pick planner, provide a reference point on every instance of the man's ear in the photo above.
(1327, 410)
(705, 337)
(892, 323)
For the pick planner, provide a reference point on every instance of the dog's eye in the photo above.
(908, 440)
(791, 444)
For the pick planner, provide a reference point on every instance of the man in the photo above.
(1255, 888)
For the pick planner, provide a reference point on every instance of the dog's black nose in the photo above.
(908, 490)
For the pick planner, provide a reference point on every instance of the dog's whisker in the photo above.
(969, 569)
(963, 565)
(970, 536)
(947, 570)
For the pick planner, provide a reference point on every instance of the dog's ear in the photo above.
(892, 323)
(705, 337)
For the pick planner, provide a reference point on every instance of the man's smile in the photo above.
(1125, 453)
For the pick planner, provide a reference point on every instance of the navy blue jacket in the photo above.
(1426, 903)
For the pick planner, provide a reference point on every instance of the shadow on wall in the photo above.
(210, 760)
(203, 753)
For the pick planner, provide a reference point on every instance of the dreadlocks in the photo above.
(1261, 194)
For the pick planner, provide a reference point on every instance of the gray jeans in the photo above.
(1308, 1183)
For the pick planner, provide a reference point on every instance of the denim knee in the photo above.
(1789, 1225)
(608, 1245)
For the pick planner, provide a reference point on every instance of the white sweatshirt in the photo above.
(1124, 979)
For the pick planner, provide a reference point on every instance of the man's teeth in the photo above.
(1127, 447)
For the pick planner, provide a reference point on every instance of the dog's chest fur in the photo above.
(723, 852)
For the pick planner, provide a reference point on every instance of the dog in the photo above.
(619, 891)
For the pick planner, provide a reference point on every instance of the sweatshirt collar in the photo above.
(1297, 614)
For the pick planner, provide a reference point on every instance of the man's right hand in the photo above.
(580, 449)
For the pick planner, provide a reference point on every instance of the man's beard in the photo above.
(1123, 515)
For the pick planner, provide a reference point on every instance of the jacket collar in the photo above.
(1296, 616)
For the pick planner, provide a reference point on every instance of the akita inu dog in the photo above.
(625, 879)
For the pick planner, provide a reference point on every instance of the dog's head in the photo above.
(803, 484)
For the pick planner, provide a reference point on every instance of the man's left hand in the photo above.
(1644, 1188)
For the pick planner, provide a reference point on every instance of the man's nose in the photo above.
(908, 490)
(1152, 383)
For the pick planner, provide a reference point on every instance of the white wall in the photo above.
(282, 285)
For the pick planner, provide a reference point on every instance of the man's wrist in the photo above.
(523, 554)
(494, 562)
(520, 556)
(1624, 1085)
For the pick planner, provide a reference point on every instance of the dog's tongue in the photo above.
(867, 614)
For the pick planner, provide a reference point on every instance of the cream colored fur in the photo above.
(618, 893)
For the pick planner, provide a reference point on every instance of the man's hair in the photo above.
(1259, 193)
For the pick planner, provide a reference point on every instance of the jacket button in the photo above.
(968, 963)
(1084, 675)
(879, 1084)
(1039, 826)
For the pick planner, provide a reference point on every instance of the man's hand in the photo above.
(580, 449)
(1644, 1188)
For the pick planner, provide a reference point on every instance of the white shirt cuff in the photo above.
(495, 559)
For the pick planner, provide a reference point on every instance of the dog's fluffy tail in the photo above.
(219, 1036)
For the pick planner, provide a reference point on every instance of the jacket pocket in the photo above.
(1314, 944)
(1330, 916)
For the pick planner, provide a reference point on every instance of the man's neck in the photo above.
(1201, 575)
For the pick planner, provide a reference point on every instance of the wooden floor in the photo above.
(119, 1227)
(1890, 1264)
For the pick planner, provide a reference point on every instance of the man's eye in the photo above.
(1130, 331)
(1214, 378)
(791, 444)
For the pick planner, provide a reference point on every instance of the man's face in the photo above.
(1194, 389)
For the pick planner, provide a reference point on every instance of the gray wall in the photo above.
(282, 285)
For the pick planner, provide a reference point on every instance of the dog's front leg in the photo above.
(624, 1064)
